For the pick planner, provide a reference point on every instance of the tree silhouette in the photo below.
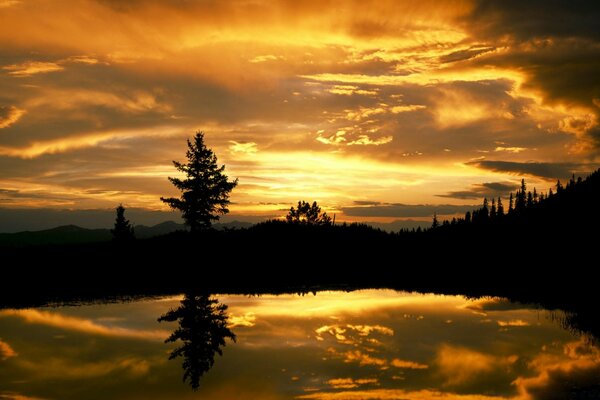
(123, 231)
(521, 198)
(500, 209)
(205, 190)
(202, 331)
(435, 223)
(308, 214)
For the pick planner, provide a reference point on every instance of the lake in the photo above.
(367, 344)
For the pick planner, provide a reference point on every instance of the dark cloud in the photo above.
(578, 382)
(366, 203)
(462, 55)
(555, 43)
(480, 190)
(540, 169)
(405, 210)
(525, 20)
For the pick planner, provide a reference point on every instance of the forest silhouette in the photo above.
(493, 247)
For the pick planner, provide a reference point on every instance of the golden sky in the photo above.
(376, 109)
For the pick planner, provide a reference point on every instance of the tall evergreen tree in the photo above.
(205, 190)
(510, 204)
(521, 198)
(123, 231)
(493, 209)
(500, 212)
(485, 211)
(435, 223)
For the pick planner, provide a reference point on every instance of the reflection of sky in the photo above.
(335, 345)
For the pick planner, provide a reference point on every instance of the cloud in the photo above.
(6, 351)
(559, 53)
(31, 68)
(481, 190)
(82, 325)
(248, 147)
(405, 210)
(349, 383)
(9, 115)
(540, 169)
(407, 364)
(357, 356)
(324, 93)
(466, 54)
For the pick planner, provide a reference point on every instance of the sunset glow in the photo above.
(364, 106)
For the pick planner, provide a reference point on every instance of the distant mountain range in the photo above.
(75, 234)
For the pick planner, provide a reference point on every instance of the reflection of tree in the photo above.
(202, 331)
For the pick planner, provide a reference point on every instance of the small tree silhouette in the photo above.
(205, 190)
(123, 231)
(308, 214)
(435, 223)
(202, 331)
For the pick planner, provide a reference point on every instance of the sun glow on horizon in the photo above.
(380, 102)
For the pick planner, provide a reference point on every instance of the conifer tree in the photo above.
(123, 231)
(205, 190)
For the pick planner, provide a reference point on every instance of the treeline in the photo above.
(568, 205)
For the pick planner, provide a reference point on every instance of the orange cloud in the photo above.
(406, 364)
(31, 68)
(6, 351)
(349, 383)
(10, 115)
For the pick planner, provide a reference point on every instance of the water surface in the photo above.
(333, 345)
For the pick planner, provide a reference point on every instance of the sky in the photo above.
(353, 345)
(379, 110)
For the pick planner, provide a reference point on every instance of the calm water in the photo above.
(335, 345)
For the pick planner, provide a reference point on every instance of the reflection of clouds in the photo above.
(329, 303)
(56, 368)
(571, 374)
(513, 322)
(394, 394)
(374, 345)
(57, 320)
(346, 334)
(406, 364)
(461, 366)
(6, 351)
(349, 383)
(15, 395)
(247, 320)
(356, 356)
